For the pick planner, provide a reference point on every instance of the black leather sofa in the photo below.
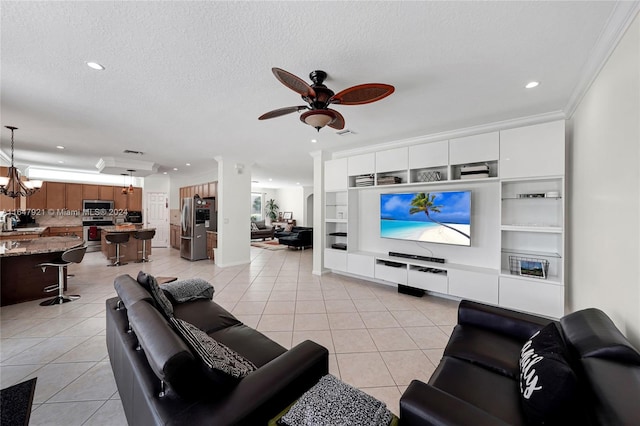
(262, 231)
(298, 237)
(160, 381)
(477, 381)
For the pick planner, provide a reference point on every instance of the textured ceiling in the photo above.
(186, 81)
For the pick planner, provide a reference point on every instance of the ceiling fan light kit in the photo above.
(319, 97)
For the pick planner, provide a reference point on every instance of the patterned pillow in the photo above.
(162, 303)
(288, 227)
(188, 290)
(254, 227)
(215, 356)
(548, 385)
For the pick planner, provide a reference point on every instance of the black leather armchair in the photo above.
(299, 237)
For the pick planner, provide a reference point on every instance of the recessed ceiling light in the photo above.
(60, 147)
(297, 183)
(175, 168)
(314, 140)
(164, 173)
(61, 162)
(532, 84)
(270, 180)
(95, 66)
(188, 164)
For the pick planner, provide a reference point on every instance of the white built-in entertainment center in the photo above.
(517, 216)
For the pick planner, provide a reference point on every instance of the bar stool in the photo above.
(117, 239)
(70, 256)
(144, 236)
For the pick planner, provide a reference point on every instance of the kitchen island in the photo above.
(128, 253)
(23, 233)
(20, 277)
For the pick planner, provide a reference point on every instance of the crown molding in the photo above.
(621, 17)
(458, 133)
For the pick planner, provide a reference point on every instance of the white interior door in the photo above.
(158, 217)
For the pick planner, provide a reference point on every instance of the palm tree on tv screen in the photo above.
(425, 203)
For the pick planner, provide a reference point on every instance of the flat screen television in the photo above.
(432, 217)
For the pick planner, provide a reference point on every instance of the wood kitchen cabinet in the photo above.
(56, 195)
(212, 242)
(174, 236)
(73, 196)
(8, 203)
(105, 192)
(134, 202)
(38, 201)
(119, 199)
(90, 192)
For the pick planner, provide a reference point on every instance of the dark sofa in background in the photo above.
(263, 231)
(477, 382)
(298, 237)
(161, 382)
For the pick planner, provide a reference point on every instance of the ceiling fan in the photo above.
(319, 97)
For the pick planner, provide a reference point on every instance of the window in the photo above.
(256, 206)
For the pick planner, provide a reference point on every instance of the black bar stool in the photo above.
(144, 236)
(68, 257)
(117, 239)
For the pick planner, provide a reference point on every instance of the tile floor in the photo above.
(378, 340)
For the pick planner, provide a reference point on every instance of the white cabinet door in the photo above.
(362, 164)
(392, 160)
(533, 151)
(428, 281)
(397, 275)
(434, 154)
(473, 285)
(532, 296)
(360, 264)
(335, 175)
(475, 149)
(335, 259)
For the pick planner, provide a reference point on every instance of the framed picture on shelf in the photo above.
(287, 215)
(532, 268)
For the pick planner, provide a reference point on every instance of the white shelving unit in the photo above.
(529, 188)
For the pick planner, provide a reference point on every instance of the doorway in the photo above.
(158, 217)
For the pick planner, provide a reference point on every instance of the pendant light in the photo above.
(12, 185)
(124, 184)
(130, 190)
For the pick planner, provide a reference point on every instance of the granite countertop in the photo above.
(24, 231)
(38, 245)
(114, 229)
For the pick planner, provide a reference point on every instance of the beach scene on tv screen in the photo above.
(435, 217)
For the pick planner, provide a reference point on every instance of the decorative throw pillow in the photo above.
(548, 384)
(215, 356)
(288, 227)
(254, 227)
(188, 290)
(162, 303)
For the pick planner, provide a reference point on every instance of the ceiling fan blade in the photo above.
(282, 111)
(338, 123)
(362, 94)
(294, 83)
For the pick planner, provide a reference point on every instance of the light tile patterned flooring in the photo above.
(378, 340)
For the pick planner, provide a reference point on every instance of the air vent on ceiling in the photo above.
(345, 132)
(130, 151)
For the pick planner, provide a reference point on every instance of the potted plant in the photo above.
(271, 208)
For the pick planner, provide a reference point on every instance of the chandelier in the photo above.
(12, 185)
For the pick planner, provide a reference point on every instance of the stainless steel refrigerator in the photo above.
(198, 216)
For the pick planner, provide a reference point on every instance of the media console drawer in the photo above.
(431, 279)
(395, 272)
